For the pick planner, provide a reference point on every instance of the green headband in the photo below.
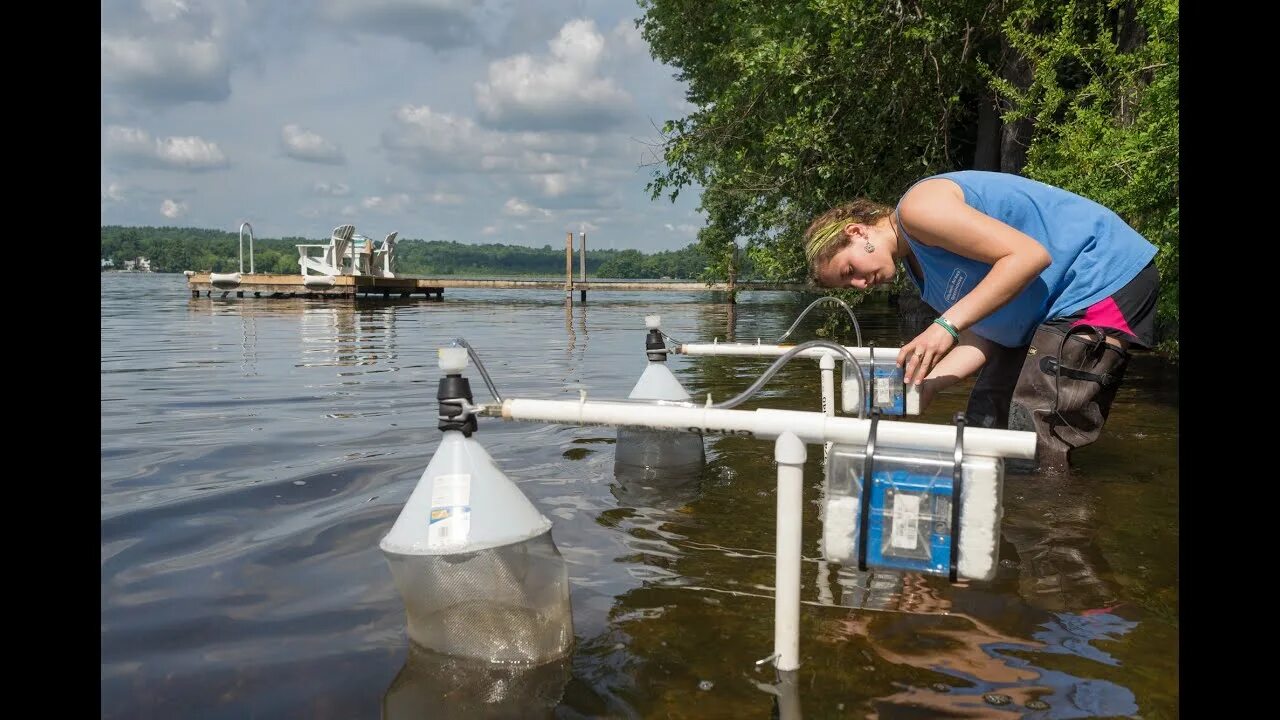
(823, 238)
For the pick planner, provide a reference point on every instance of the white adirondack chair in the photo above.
(384, 256)
(328, 259)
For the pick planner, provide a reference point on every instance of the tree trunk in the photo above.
(1015, 137)
(986, 153)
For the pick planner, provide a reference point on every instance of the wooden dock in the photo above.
(286, 286)
(268, 285)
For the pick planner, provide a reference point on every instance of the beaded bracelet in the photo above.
(946, 325)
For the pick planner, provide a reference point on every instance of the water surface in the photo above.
(255, 451)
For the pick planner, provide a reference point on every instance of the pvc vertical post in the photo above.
(790, 454)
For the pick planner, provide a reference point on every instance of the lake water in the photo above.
(254, 452)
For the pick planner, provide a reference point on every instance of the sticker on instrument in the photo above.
(886, 388)
(449, 522)
(906, 516)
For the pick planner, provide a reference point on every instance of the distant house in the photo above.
(138, 264)
(108, 263)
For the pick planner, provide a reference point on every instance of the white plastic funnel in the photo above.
(463, 503)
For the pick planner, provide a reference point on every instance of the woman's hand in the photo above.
(920, 355)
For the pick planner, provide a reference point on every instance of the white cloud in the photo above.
(173, 209)
(199, 85)
(438, 142)
(561, 91)
(336, 189)
(136, 146)
(552, 184)
(164, 10)
(308, 146)
(515, 207)
(489, 230)
(113, 192)
(435, 141)
(627, 36)
(438, 24)
(386, 204)
(164, 70)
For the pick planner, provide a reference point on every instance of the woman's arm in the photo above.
(934, 212)
(964, 360)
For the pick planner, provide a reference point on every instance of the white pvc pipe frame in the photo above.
(792, 430)
(862, 353)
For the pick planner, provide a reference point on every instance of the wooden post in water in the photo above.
(582, 266)
(733, 276)
(568, 266)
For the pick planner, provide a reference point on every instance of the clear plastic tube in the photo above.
(785, 358)
(460, 342)
(857, 330)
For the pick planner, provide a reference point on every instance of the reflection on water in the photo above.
(982, 672)
(255, 451)
(340, 335)
(639, 486)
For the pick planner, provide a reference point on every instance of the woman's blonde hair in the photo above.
(825, 236)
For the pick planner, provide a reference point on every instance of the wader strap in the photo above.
(1050, 366)
(1058, 371)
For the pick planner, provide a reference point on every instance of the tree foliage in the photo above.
(801, 105)
(1105, 104)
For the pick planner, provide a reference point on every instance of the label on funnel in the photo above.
(450, 520)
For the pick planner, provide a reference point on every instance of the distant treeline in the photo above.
(174, 249)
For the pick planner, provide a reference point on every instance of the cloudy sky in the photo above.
(472, 120)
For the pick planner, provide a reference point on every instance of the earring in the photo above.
(869, 247)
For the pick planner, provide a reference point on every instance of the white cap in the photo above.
(452, 359)
(653, 322)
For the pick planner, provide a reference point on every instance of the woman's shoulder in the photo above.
(930, 195)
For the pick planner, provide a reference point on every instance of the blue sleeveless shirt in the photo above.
(1093, 254)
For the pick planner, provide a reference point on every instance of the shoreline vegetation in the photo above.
(175, 249)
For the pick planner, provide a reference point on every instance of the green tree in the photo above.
(1104, 100)
(626, 264)
(802, 105)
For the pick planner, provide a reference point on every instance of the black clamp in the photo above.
(864, 509)
(452, 391)
(957, 484)
(871, 375)
(654, 346)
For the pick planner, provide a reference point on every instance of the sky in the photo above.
(478, 121)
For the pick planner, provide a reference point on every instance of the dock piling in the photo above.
(582, 266)
(568, 266)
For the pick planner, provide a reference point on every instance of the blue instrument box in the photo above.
(884, 386)
(910, 523)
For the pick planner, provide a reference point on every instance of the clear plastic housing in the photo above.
(502, 604)
(909, 526)
(884, 386)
